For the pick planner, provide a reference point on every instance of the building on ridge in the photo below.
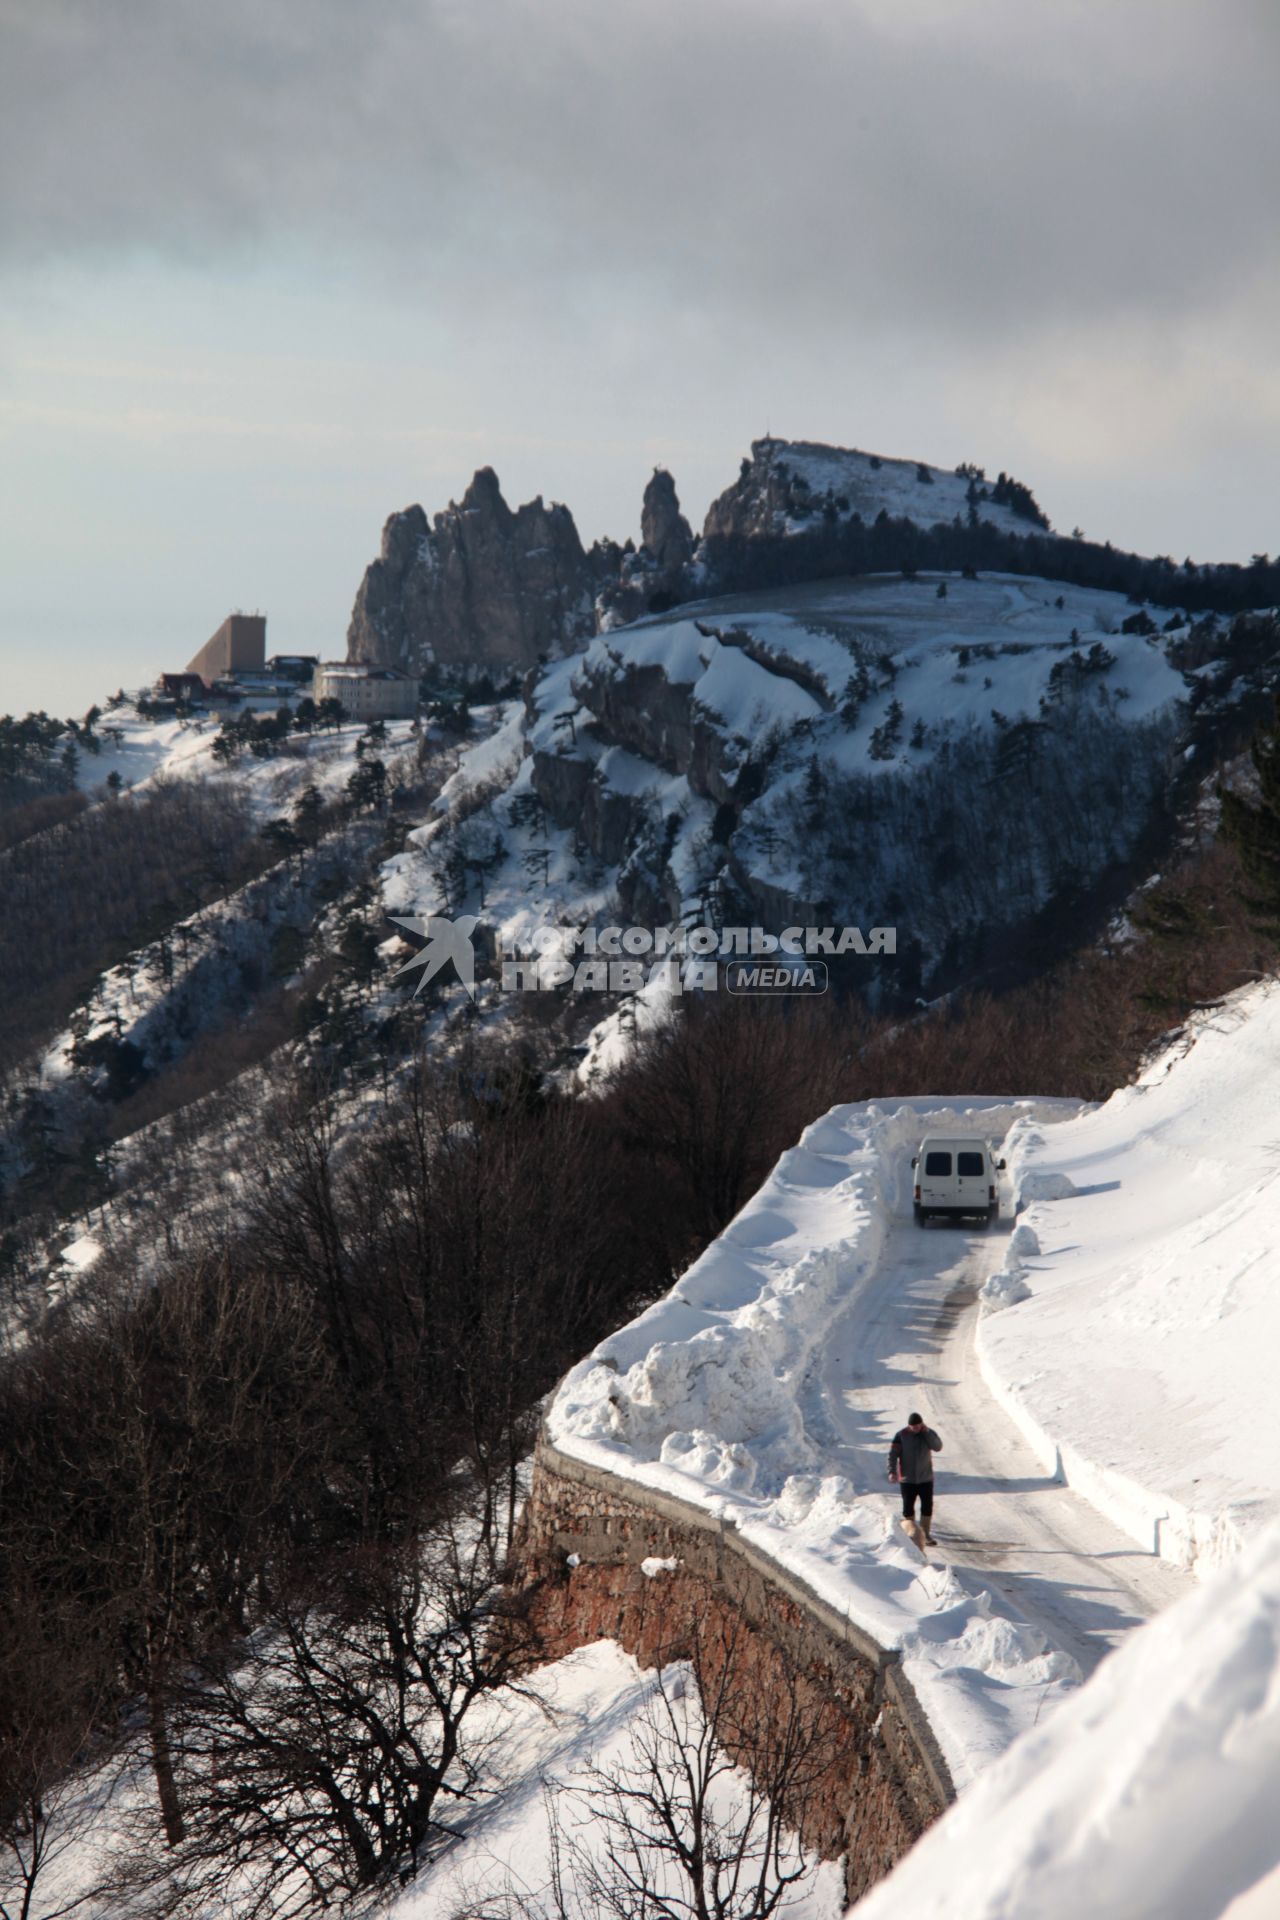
(365, 692)
(239, 643)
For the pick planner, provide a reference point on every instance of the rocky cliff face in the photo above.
(664, 532)
(757, 502)
(479, 588)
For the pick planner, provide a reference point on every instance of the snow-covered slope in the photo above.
(142, 750)
(1149, 1796)
(579, 1713)
(1143, 1358)
(811, 753)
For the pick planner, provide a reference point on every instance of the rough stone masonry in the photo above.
(585, 1535)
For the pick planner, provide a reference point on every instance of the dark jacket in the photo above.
(909, 1453)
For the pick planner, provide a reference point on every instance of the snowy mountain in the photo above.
(786, 483)
(848, 753)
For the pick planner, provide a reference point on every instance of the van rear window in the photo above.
(969, 1163)
(938, 1164)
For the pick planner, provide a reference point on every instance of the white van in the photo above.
(955, 1177)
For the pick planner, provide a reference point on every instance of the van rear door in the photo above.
(971, 1179)
(937, 1178)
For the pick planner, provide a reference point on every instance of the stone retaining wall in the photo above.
(585, 1535)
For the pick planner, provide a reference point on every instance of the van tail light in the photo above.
(917, 1192)
(991, 1193)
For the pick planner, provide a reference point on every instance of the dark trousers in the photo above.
(913, 1490)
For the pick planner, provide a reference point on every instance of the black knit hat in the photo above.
(915, 1420)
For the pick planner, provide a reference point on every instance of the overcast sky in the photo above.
(270, 269)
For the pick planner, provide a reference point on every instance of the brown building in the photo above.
(240, 642)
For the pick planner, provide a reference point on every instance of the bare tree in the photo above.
(722, 1088)
(327, 1753)
(51, 1699)
(700, 1818)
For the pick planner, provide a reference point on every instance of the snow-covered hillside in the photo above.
(142, 750)
(165, 991)
(848, 751)
(579, 1713)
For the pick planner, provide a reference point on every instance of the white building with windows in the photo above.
(366, 693)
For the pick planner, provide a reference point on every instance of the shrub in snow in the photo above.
(1004, 1289)
(885, 738)
(1045, 1183)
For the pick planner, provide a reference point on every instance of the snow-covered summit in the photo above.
(789, 485)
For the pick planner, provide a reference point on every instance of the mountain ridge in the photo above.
(481, 589)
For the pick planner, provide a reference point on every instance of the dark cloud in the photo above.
(955, 169)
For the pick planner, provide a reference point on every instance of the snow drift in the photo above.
(1151, 1792)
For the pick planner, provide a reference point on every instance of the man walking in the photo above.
(911, 1464)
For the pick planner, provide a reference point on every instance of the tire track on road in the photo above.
(907, 1340)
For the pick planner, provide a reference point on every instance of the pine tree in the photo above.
(1254, 828)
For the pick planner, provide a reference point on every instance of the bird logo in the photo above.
(445, 940)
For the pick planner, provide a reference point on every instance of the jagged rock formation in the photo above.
(479, 588)
(664, 532)
(482, 589)
(662, 571)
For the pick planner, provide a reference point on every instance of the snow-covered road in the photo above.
(906, 1341)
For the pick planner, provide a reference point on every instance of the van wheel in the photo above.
(920, 1214)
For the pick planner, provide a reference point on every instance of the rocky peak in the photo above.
(789, 488)
(484, 495)
(663, 528)
(479, 588)
(759, 498)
